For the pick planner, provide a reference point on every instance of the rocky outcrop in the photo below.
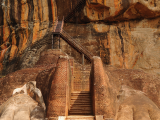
(124, 94)
(134, 104)
(42, 73)
(131, 44)
(114, 92)
(110, 10)
(52, 76)
(22, 24)
(117, 10)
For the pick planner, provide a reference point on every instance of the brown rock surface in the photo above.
(135, 105)
(46, 73)
(131, 44)
(115, 10)
(42, 73)
(111, 98)
(126, 44)
(22, 24)
(136, 79)
(124, 93)
(110, 10)
(17, 107)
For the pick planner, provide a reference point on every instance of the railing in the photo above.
(58, 29)
(55, 25)
(76, 45)
(59, 26)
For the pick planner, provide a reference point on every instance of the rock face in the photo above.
(22, 24)
(42, 73)
(111, 10)
(14, 108)
(132, 44)
(134, 104)
(124, 33)
(115, 10)
(122, 94)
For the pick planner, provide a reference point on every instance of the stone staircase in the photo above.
(80, 100)
(80, 103)
(80, 78)
(58, 30)
(80, 118)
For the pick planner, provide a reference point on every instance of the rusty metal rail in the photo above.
(71, 41)
(58, 29)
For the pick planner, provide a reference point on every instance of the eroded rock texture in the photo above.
(26, 25)
(122, 94)
(115, 10)
(131, 44)
(134, 104)
(22, 24)
(111, 10)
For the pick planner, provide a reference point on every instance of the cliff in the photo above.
(124, 34)
(22, 24)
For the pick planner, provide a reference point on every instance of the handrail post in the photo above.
(52, 41)
(59, 42)
(82, 59)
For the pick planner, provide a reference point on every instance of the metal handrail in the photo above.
(55, 25)
(75, 42)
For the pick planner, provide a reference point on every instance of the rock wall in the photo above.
(124, 34)
(110, 10)
(115, 10)
(131, 44)
(22, 24)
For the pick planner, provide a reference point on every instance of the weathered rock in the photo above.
(111, 98)
(130, 44)
(107, 85)
(17, 107)
(44, 75)
(26, 25)
(115, 10)
(135, 105)
(110, 10)
(136, 79)
(22, 24)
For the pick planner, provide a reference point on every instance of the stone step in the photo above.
(80, 98)
(80, 108)
(80, 118)
(80, 95)
(80, 112)
(80, 102)
(81, 92)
